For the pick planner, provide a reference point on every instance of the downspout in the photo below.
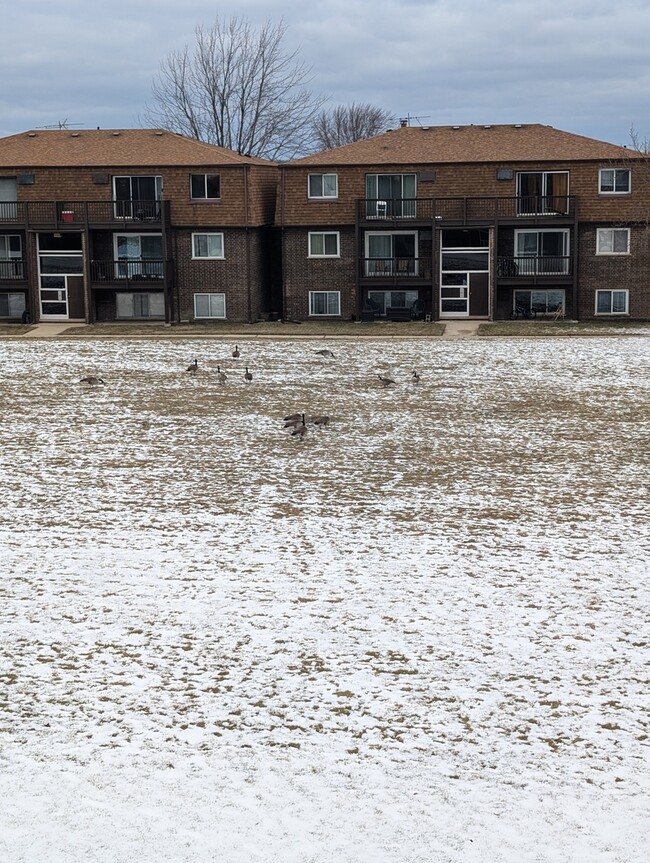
(282, 244)
(574, 286)
(168, 316)
(248, 244)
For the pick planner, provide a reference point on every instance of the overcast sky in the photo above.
(579, 65)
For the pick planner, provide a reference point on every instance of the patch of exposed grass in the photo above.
(324, 329)
(563, 328)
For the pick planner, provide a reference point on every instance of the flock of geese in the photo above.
(297, 422)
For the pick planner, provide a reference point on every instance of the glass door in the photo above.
(454, 295)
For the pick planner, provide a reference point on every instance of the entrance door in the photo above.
(454, 295)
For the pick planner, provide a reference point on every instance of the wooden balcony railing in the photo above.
(60, 214)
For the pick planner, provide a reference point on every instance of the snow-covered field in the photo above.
(419, 634)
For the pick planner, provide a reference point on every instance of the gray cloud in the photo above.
(581, 66)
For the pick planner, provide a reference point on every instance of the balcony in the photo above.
(12, 270)
(57, 215)
(467, 210)
(123, 271)
(525, 267)
(395, 269)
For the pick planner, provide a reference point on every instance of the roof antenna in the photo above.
(406, 121)
(62, 124)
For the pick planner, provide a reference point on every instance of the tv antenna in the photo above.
(62, 124)
(406, 121)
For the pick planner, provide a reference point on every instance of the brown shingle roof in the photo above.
(106, 147)
(464, 144)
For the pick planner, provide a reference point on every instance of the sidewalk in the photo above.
(460, 329)
(42, 331)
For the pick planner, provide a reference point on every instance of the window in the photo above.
(613, 241)
(611, 302)
(393, 299)
(614, 181)
(324, 302)
(204, 186)
(207, 246)
(543, 193)
(390, 196)
(11, 264)
(390, 254)
(138, 256)
(324, 245)
(12, 305)
(209, 305)
(323, 185)
(138, 305)
(542, 302)
(137, 197)
(541, 253)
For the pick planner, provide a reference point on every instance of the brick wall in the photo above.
(303, 274)
(618, 272)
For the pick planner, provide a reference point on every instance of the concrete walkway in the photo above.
(44, 331)
(460, 329)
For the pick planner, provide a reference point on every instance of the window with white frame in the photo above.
(205, 186)
(612, 302)
(324, 245)
(138, 256)
(206, 246)
(613, 241)
(614, 181)
(324, 302)
(209, 305)
(323, 186)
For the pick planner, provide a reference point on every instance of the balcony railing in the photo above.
(396, 268)
(150, 270)
(465, 210)
(57, 214)
(12, 269)
(531, 265)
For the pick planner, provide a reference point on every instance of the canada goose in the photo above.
(321, 420)
(193, 366)
(387, 382)
(236, 353)
(300, 430)
(92, 380)
(294, 422)
(221, 376)
(292, 417)
(325, 353)
(416, 377)
(248, 377)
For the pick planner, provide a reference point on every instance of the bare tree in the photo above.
(348, 123)
(237, 87)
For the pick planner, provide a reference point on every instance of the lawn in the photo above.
(418, 634)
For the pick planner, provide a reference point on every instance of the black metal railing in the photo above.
(466, 209)
(150, 270)
(532, 265)
(395, 268)
(12, 269)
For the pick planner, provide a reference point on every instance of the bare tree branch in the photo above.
(348, 123)
(237, 87)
